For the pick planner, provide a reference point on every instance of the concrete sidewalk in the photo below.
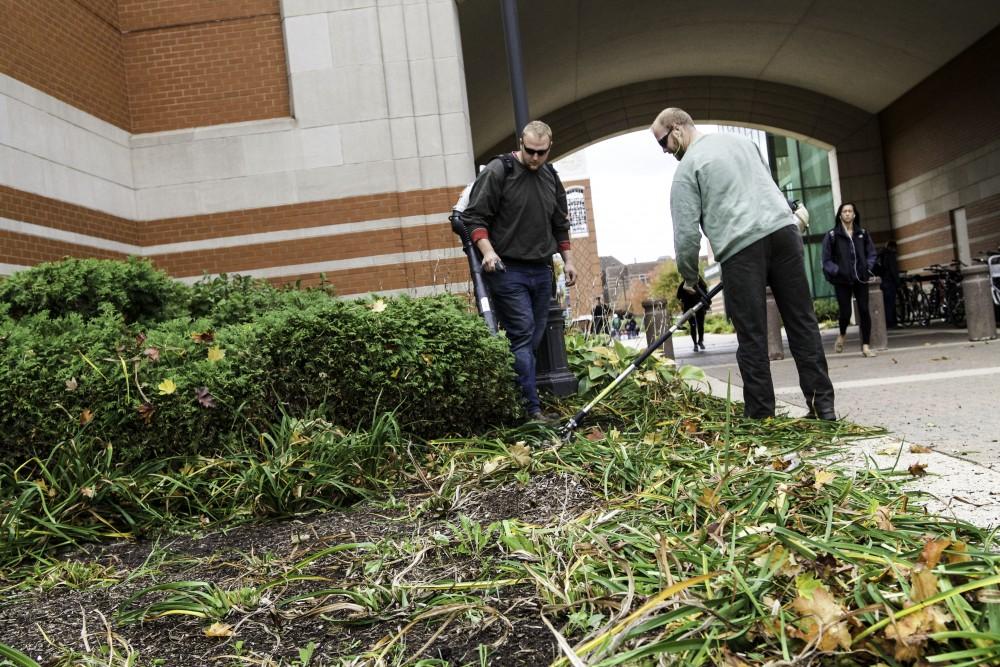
(932, 387)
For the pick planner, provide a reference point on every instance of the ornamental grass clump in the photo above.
(667, 530)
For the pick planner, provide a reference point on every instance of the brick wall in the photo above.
(137, 15)
(151, 65)
(952, 112)
(196, 74)
(19, 248)
(70, 49)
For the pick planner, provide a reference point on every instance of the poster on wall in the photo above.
(577, 212)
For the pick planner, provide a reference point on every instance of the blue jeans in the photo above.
(521, 297)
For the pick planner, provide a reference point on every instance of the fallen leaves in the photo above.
(219, 630)
(216, 354)
(822, 478)
(917, 469)
(204, 398)
(821, 616)
(167, 387)
(920, 449)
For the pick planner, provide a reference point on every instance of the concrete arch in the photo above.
(806, 115)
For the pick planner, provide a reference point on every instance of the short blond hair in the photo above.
(672, 117)
(537, 128)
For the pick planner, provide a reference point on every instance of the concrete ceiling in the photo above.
(866, 53)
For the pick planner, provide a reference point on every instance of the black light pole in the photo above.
(552, 371)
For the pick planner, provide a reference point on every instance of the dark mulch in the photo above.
(46, 625)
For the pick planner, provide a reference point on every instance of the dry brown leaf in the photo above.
(910, 633)
(595, 434)
(917, 469)
(923, 584)
(930, 555)
(780, 464)
(86, 417)
(957, 554)
(820, 612)
(883, 518)
(730, 659)
(219, 630)
(920, 449)
(689, 426)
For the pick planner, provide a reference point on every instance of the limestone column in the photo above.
(655, 322)
(979, 313)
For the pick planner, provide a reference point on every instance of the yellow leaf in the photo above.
(920, 449)
(167, 387)
(219, 630)
(378, 306)
(823, 478)
(521, 454)
(491, 466)
(216, 353)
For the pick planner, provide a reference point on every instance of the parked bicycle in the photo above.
(945, 299)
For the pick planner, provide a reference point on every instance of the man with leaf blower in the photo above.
(723, 188)
(517, 218)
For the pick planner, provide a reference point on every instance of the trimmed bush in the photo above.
(134, 288)
(427, 359)
(187, 386)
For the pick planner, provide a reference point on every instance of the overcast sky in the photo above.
(630, 179)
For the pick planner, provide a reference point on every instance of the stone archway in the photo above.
(853, 133)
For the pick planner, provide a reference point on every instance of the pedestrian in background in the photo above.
(723, 187)
(517, 218)
(601, 312)
(848, 258)
(697, 323)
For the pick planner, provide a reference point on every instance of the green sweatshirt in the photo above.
(723, 187)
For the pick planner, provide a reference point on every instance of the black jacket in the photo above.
(848, 260)
(522, 211)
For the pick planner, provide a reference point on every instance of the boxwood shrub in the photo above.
(192, 384)
(132, 287)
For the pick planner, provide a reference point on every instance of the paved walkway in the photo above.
(932, 387)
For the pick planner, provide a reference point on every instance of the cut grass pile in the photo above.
(709, 540)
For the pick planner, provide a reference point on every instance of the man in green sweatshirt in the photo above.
(517, 218)
(723, 188)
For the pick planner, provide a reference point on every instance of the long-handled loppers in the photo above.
(567, 430)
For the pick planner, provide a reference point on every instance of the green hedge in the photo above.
(134, 288)
(188, 385)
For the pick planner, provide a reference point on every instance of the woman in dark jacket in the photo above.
(848, 258)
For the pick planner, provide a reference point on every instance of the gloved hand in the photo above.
(690, 289)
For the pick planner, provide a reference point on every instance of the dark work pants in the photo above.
(521, 296)
(775, 260)
(697, 325)
(860, 292)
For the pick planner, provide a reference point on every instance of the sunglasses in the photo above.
(536, 152)
(665, 138)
